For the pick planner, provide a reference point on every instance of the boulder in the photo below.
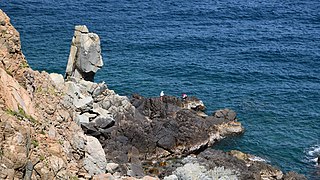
(85, 55)
(112, 167)
(81, 119)
(84, 104)
(95, 158)
(57, 80)
(103, 122)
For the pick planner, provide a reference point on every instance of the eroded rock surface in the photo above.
(85, 55)
(76, 129)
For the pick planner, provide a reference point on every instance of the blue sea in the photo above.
(260, 58)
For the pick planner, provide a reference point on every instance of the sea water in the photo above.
(260, 58)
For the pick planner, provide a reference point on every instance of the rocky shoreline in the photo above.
(55, 127)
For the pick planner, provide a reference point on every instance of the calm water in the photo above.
(260, 58)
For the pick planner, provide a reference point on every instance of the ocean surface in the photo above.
(260, 58)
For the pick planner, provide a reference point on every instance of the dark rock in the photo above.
(2, 23)
(293, 176)
(226, 114)
(103, 122)
(89, 128)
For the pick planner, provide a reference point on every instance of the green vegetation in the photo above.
(9, 72)
(42, 158)
(42, 132)
(21, 114)
(35, 143)
(73, 178)
(60, 142)
(24, 64)
(47, 91)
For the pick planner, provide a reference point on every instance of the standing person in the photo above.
(184, 96)
(161, 95)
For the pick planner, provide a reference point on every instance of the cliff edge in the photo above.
(55, 127)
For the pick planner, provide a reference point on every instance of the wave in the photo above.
(256, 158)
(313, 154)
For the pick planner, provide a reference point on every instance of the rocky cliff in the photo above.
(55, 127)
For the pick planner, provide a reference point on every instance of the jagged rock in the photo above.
(90, 129)
(81, 119)
(147, 129)
(73, 90)
(112, 167)
(58, 166)
(95, 160)
(225, 114)
(12, 59)
(101, 111)
(99, 89)
(103, 122)
(84, 104)
(193, 103)
(85, 55)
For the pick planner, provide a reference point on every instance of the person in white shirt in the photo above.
(161, 95)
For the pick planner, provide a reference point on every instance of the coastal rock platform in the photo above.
(53, 127)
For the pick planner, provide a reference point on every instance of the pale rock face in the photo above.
(14, 95)
(95, 160)
(58, 80)
(85, 55)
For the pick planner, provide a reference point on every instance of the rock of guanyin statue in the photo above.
(85, 55)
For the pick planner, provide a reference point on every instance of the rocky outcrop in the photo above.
(11, 57)
(38, 137)
(216, 164)
(76, 129)
(85, 55)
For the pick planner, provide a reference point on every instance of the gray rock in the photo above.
(85, 55)
(112, 167)
(106, 103)
(81, 119)
(103, 122)
(78, 142)
(135, 170)
(171, 177)
(101, 111)
(90, 128)
(95, 158)
(90, 116)
(87, 85)
(98, 90)
(52, 132)
(83, 104)
(57, 80)
(197, 171)
(73, 90)
(81, 29)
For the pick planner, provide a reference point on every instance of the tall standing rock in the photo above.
(85, 55)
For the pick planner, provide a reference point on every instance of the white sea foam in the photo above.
(256, 158)
(312, 154)
(314, 159)
(314, 151)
